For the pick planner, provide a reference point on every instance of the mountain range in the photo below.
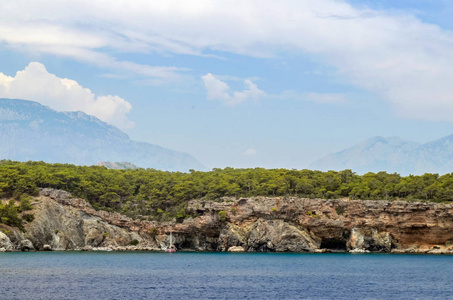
(392, 154)
(31, 131)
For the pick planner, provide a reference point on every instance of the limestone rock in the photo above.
(340, 224)
(253, 224)
(359, 251)
(369, 239)
(232, 236)
(5, 242)
(279, 236)
(236, 249)
(46, 248)
(26, 245)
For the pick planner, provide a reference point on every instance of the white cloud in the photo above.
(249, 152)
(219, 90)
(393, 54)
(37, 84)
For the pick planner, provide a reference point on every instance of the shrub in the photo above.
(28, 217)
(314, 215)
(25, 203)
(340, 210)
(9, 215)
(134, 243)
(222, 215)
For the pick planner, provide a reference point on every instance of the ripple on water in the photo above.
(135, 275)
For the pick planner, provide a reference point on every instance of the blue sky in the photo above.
(238, 83)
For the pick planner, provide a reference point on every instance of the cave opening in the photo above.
(186, 244)
(333, 244)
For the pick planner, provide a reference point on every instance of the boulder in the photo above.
(5, 242)
(26, 245)
(236, 249)
(280, 236)
(358, 251)
(46, 247)
(87, 248)
(369, 239)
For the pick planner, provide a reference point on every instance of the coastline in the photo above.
(256, 224)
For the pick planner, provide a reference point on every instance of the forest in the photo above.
(149, 194)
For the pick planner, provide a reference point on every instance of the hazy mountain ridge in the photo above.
(121, 165)
(31, 131)
(392, 154)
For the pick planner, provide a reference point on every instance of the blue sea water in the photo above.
(144, 275)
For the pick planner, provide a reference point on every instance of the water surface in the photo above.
(142, 275)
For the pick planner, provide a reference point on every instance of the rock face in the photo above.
(259, 224)
(369, 239)
(279, 236)
(65, 223)
(5, 243)
(296, 224)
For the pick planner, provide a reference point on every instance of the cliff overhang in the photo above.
(256, 224)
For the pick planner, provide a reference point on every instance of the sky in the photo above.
(275, 84)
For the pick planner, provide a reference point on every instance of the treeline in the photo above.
(149, 193)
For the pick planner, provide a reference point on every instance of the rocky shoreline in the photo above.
(258, 224)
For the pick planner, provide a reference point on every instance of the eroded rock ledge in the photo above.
(258, 224)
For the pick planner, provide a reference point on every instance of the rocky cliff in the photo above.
(258, 224)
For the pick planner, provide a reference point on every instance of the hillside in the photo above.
(31, 131)
(162, 195)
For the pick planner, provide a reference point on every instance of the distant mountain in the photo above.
(372, 155)
(434, 157)
(117, 165)
(392, 155)
(31, 131)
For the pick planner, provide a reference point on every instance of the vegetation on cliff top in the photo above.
(160, 195)
(9, 212)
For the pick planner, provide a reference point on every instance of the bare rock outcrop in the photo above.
(5, 243)
(369, 239)
(62, 222)
(280, 236)
(257, 224)
(299, 224)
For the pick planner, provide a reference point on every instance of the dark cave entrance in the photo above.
(333, 244)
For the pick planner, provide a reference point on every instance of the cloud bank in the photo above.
(37, 84)
(249, 152)
(405, 61)
(219, 90)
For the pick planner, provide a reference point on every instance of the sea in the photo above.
(149, 275)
